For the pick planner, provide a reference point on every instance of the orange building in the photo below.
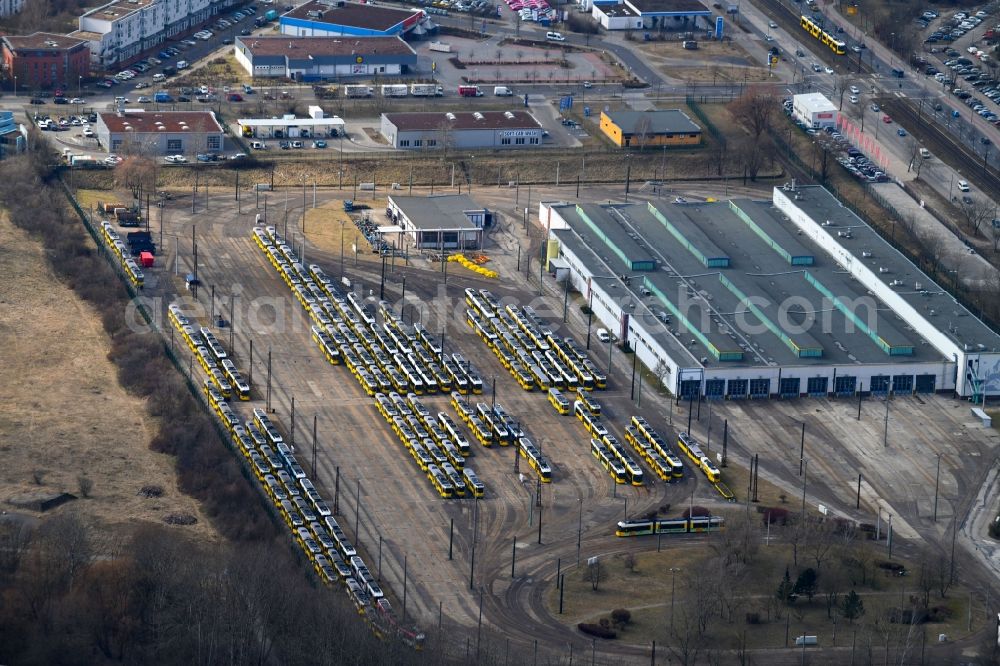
(670, 127)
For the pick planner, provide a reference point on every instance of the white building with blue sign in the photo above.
(659, 15)
(432, 130)
(336, 18)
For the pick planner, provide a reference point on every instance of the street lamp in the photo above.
(79, 86)
(15, 85)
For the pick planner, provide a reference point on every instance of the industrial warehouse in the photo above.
(489, 129)
(750, 299)
(317, 58)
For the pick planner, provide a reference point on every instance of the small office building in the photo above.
(642, 129)
(317, 125)
(815, 110)
(444, 222)
(487, 129)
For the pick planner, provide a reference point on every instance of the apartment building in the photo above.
(121, 31)
(45, 60)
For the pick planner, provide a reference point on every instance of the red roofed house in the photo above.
(159, 132)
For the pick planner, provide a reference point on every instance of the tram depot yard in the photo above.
(371, 458)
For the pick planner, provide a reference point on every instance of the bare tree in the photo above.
(994, 232)
(446, 135)
(976, 212)
(137, 173)
(755, 109)
(15, 537)
(642, 131)
(685, 641)
(822, 153)
(820, 542)
(717, 156)
(942, 574)
(595, 573)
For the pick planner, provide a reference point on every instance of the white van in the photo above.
(603, 335)
(502, 91)
(963, 185)
(555, 37)
(181, 64)
(159, 77)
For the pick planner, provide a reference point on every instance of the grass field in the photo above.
(65, 416)
(680, 571)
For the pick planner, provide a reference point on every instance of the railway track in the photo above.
(938, 141)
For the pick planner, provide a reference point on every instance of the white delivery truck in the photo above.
(502, 91)
(426, 90)
(358, 91)
(395, 90)
(440, 47)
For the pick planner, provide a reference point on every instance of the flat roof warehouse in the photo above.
(305, 47)
(407, 122)
(713, 283)
(740, 291)
(370, 17)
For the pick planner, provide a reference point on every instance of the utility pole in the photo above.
(805, 474)
(937, 484)
(267, 401)
(802, 447)
(314, 446)
(885, 432)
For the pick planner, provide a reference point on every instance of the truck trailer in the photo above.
(395, 90)
(358, 91)
(469, 91)
(426, 90)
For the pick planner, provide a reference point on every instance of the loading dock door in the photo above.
(789, 387)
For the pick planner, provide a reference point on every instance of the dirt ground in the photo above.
(719, 62)
(65, 416)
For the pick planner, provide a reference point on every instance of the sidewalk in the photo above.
(975, 271)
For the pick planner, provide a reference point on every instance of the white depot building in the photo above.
(815, 110)
(791, 297)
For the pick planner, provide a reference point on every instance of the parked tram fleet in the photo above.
(395, 364)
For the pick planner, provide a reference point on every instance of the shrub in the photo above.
(597, 630)
(85, 485)
(775, 515)
(628, 559)
(621, 616)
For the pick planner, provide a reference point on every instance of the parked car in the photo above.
(963, 186)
